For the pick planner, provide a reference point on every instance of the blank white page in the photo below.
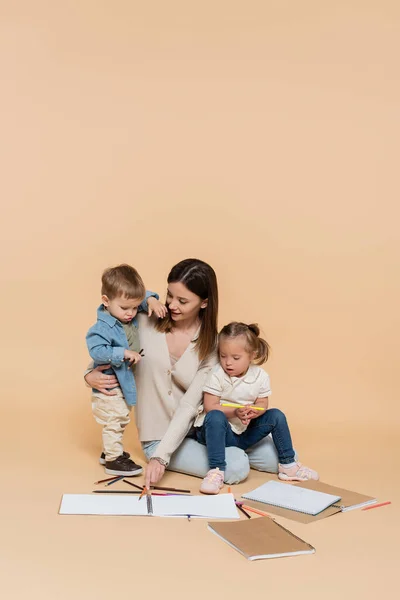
(102, 504)
(212, 507)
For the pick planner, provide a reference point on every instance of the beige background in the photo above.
(261, 137)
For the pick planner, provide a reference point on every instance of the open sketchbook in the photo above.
(208, 507)
(292, 497)
(261, 538)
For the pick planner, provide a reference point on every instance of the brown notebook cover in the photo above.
(349, 500)
(260, 538)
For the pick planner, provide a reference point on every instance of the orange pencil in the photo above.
(255, 510)
(144, 491)
(376, 505)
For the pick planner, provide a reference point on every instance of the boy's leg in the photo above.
(271, 421)
(113, 414)
(216, 433)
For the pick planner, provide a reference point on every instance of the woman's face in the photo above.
(183, 305)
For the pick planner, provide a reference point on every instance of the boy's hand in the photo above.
(157, 307)
(131, 356)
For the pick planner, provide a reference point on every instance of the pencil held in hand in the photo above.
(234, 405)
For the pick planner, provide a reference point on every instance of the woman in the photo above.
(180, 351)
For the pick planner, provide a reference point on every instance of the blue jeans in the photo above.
(216, 433)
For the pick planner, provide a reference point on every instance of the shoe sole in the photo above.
(125, 473)
(284, 477)
(211, 493)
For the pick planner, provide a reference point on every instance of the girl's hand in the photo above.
(242, 414)
(157, 307)
(253, 414)
(132, 357)
(154, 472)
(98, 380)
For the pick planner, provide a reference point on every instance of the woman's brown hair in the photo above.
(251, 333)
(200, 279)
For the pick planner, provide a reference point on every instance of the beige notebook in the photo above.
(260, 538)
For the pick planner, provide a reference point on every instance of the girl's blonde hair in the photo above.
(251, 333)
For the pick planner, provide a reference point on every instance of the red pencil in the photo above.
(376, 505)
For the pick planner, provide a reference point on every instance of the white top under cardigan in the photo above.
(168, 397)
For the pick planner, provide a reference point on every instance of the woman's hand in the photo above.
(157, 307)
(98, 380)
(154, 472)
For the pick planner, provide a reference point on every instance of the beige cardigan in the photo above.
(169, 397)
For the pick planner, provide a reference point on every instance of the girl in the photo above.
(236, 380)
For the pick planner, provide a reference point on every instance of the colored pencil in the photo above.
(139, 487)
(169, 489)
(376, 505)
(234, 405)
(254, 510)
(243, 511)
(115, 480)
(146, 491)
(115, 492)
(108, 479)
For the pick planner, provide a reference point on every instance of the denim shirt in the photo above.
(107, 341)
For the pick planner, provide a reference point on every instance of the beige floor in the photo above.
(45, 555)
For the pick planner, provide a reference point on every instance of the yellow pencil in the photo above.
(233, 405)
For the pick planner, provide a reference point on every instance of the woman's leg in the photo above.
(191, 458)
(264, 456)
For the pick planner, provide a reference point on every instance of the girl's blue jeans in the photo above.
(216, 434)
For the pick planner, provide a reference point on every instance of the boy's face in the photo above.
(123, 309)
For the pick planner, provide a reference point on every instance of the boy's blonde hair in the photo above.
(122, 280)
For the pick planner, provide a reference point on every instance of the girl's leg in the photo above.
(274, 421)
(271, 421)
(216, 433)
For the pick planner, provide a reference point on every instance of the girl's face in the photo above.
(183, 305)
(233, 356)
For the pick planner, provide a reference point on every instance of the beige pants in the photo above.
(114, 414)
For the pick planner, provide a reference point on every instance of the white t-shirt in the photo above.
(241, 390)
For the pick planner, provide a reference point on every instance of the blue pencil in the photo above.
(115, 480)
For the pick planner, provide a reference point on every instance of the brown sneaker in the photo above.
(102, 459)
(122, 466)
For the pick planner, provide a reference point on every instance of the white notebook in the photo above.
(206, 507)
(292, 497)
